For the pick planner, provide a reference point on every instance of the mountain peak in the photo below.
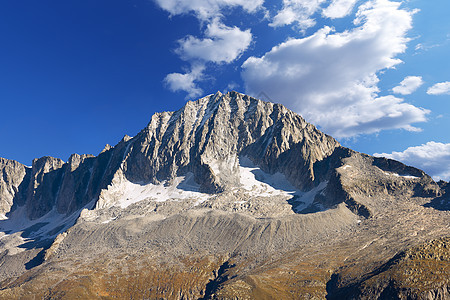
(207, 136)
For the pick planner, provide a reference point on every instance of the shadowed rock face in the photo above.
(14, 176)
(52, 184)
(241, 196)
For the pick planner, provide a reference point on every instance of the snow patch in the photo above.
(108, 221)
(258, 183)
(306, 199)
(18, 229)
(123, 193)
(47, 226)
(346, 167)
(403, 176)
(254, 182)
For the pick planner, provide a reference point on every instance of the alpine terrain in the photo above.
(229, 197)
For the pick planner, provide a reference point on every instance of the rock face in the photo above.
(50, 184)
(217, 189)
(207, 137)
(14, 176)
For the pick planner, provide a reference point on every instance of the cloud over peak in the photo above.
(331, 77)
(186, 82)
(221, 44)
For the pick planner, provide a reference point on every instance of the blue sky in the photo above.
(76, 75)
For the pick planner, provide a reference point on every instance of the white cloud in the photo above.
(408, 85)
(432, 157)
(297, 11)
(339, 8)
(222, 44)
(186, 82)
(442, 88)
(206, 9)
(330, 78)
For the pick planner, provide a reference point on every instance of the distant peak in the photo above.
(107, 147)
(126, 138)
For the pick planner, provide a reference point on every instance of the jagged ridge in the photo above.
(205, 137)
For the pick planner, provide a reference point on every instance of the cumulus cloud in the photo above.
(442, 88)
(432, 157)
(300, 12)
(186, 82)
(339, 8)
(330, 78)
(206, 9)
(408, 85)
(222, 44)
(297, 11)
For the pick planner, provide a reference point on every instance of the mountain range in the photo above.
(229, 197)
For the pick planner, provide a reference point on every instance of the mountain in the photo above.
(228, 197)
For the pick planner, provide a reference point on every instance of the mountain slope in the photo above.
(221, 188)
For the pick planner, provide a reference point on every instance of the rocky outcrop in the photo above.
(442, 202)
(13, 184)
(46, 178)
(420, 272)
(369, 184)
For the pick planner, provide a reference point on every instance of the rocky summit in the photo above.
(229, 197)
